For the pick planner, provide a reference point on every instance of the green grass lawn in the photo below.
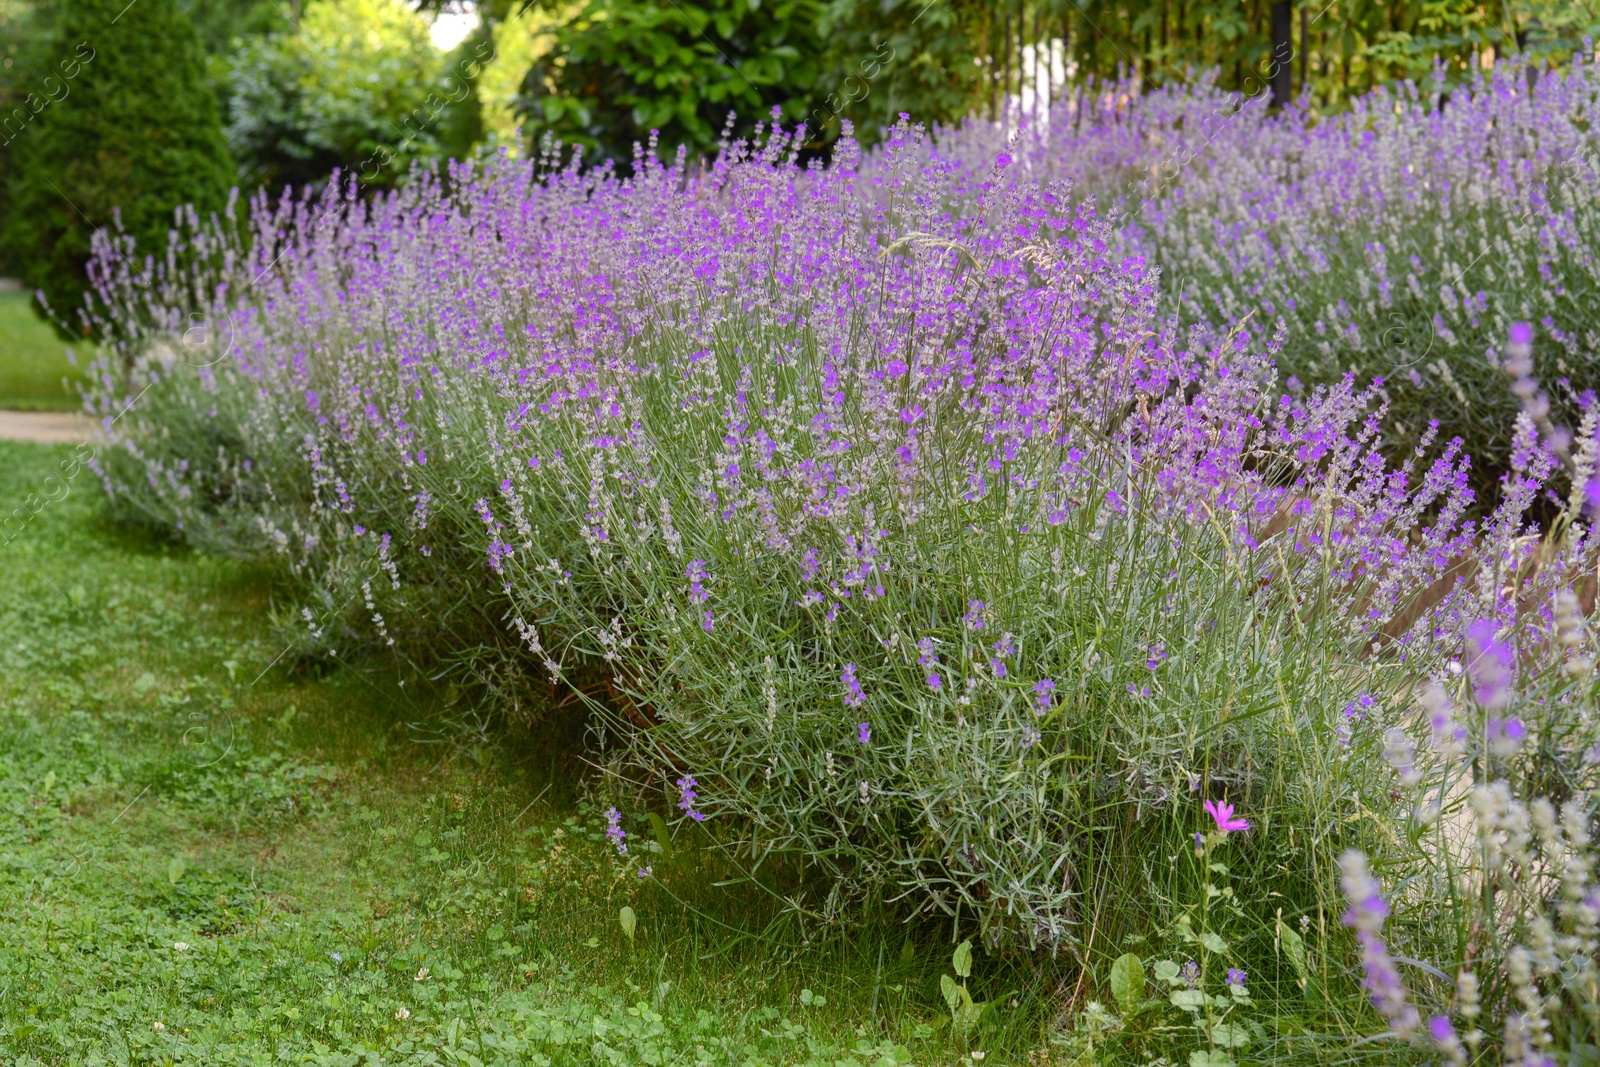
(207, 859)
(33, 360)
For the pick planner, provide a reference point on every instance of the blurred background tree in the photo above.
(616, 70)
(128, 133)
(358, 85)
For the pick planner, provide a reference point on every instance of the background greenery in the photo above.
(133, 137)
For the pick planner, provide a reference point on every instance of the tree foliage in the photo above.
(1341, 49)
(126, 133)
(620, 69)
(358, 86)
(893, 56)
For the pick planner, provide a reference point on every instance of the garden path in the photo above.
(44, 427)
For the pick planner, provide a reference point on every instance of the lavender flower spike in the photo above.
(1367, 913)
(615, 832)
(853, 696)
(1489, 663)
(686, 798)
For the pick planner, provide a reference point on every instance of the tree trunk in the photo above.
(1305, 46)
(1282, 66)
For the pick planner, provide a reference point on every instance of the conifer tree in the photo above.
(125, 131)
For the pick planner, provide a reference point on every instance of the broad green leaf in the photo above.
(1213, 943)
(951, 991)
(175, 868)
(628, 920)
(1188, 999)
(1229, 1036)
(1210, 1059)
(1165, 970)
(1127, 982)
(962, 960)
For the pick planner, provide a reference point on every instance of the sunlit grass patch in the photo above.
(35, 374)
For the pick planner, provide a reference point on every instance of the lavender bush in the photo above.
(1396, 240)
(923, 561)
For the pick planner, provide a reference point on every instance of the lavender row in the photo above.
(1397, 240)
(924, 559)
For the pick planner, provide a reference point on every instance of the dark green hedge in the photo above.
(125, 122)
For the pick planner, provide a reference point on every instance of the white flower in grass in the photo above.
(158, 1026)
(181, 946)
(403, 1014)
(422, 975)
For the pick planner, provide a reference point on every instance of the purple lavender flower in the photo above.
(687, 797)
(1236, 976)
(1489, 664)
(853, 695)
(864, 733)
(926, 657)
(697, 577)
(1157, 655)
(615, 832)
(1449, 736)
(1044, 693)
(1002, 648)
(1506, 735)
(974, 616)
(1191, 974)
(1367, 913)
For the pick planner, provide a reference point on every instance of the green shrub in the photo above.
(620, 72)
(357, 86)
(133, 136)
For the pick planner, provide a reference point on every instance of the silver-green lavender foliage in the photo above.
(920, 555)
